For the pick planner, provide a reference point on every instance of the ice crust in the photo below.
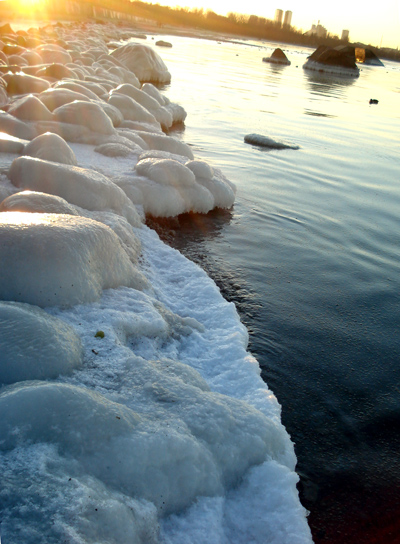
(130, 408)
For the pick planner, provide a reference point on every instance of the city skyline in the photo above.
(370, 26)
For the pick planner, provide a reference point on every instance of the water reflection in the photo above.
(327, 84)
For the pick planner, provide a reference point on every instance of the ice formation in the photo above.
(56, 259)
(35, 345)
(130, 410)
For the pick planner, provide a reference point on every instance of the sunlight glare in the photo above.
(26, 7)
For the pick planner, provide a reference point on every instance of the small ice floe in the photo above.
(264, 141)
(277, 57)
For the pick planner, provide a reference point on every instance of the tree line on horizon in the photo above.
(251, 26)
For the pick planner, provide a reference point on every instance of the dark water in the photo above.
(310, 255)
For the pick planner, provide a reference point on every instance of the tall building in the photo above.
(278, 16)
(288, 18)
(345, 35)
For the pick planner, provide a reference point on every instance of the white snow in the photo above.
(131, 410)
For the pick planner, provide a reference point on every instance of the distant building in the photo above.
(345, 35)
(318, 30)
(288, 18)
(278, 17)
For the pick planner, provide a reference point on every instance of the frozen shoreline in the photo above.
(166, 411)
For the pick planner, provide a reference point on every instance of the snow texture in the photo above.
(130, 408)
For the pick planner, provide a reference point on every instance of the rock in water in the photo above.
(264, 141)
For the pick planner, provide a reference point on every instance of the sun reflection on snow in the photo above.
(27, 218)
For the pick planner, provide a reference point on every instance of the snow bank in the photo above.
(70, 259)
(130, 410)
(35, 345)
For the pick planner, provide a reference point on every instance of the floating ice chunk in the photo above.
(35, 345)
(34, 202)
(30, 108)
(51, 147)
(55, 259)
(85, 188)
(265, 141)
(89, 114)
(146, 64)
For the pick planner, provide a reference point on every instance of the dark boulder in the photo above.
(278, 57)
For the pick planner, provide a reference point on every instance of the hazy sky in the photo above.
(372, 22)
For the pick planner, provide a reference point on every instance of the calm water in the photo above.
(310, 255)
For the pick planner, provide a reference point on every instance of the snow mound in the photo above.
(30, 108)
(51, 147)
(89, 114)
(171, 186)
(31, 201)
(80, 186)
(192, 443)
(144, 62)
(35, 345)
(70, 259)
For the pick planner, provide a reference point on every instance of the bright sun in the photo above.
(28, 6)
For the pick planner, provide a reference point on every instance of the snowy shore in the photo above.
(130, 408)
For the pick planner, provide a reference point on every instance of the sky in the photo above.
(374, 23)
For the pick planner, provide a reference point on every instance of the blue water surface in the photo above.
(310, 255)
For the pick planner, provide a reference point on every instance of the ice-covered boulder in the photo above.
(80, 186)
(213, 179)
(51, 147)
(170, 189)
(76, 87)
(30, 108)
(166, 143)
(53, 53)
(10, 144)
(21, 83)
(115, 150)
(277, 57)
(162, 115)
(63, 260)
(56, 97)
(332, 61)
(89, 114)
(34, 202)
(141, 59)
(132, 110)
(35, 345)
(14, 127)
